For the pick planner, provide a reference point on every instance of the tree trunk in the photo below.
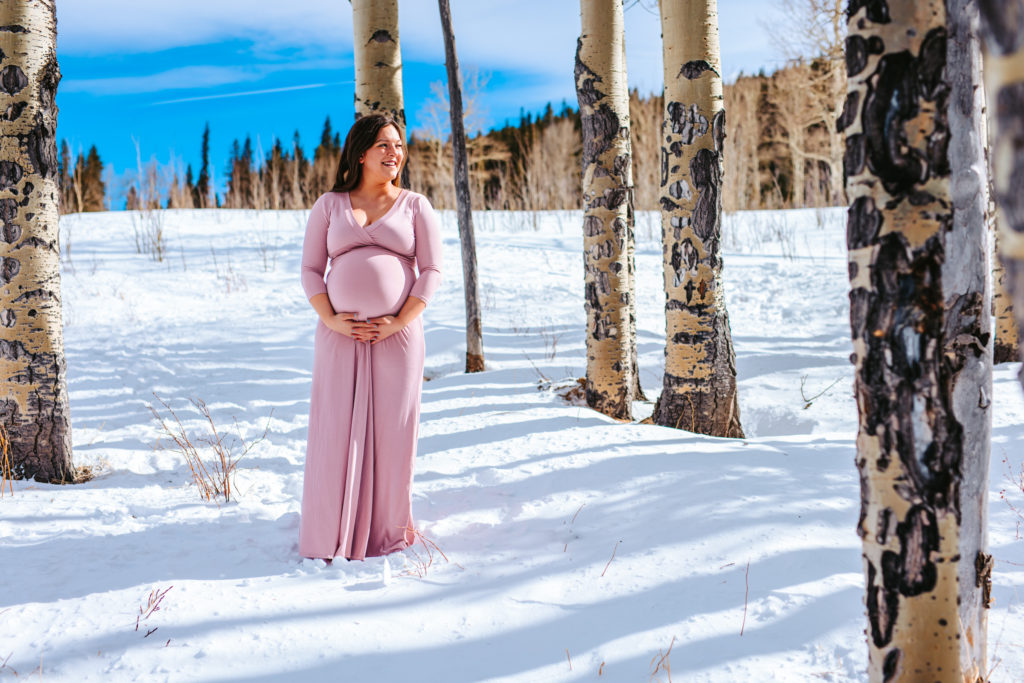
(608, 213)
(474, 326)
(33, 397)
(1003, 30)
(920, 321)
(378, 62)
(699, 392)
(1007, 349)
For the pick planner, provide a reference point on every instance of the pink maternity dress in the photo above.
(365, 400)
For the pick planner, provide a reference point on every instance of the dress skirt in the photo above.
(363, 424)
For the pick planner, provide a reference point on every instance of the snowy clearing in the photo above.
(579, 548)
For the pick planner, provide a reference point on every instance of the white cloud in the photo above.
(532, 36)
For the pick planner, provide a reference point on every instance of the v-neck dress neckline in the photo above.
(352, 214)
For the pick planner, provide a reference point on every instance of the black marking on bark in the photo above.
(26, 189)
(668, 205)
(696, 68)
(852, 269)
(592, 226)
(849, 114)
(35, 241)
(13, 111)
(856, 55)
(877, 10)
(899, 82)
(9, 268)
(855, 155)
(863, 223)
(11, 232)
(686, 122)
(1010, 135)
(41, 146)
(13, 28)
(381, 36)
(10, 174)
(1005, 353)
(718, 130)
(42, 294)
(8, 317)
(12, 79)
(884, 521)
(983, 577)
(8, 210)
(600, 129)
(913, 570)
(1002, 25)
(48, 81)
(586, 79)
(883, 606)
(706, 173)
(891, 664)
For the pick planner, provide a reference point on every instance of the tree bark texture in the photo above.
(920, 321)
(601, 89)
(378, 62)
(474, 326)
(699, 391)
(1003, 32)
(33, 398)
(378, 58)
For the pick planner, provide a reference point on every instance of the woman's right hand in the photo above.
(348, 325)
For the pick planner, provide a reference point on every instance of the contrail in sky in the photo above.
(249, 92)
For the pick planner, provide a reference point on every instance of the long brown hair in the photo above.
(360, 138)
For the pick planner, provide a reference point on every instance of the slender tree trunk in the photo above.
(699, 392)
(1007, 349)
(1003, 30)
(474, 326)
(607, 204)
(920, 321)
(33, 396)
(378, 62)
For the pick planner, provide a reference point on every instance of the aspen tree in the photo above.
(33, 395)
(920, 322)
(699, 392)
(474, 325)
(608, 209)
(1003, 30)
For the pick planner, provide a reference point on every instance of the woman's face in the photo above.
(382, 162)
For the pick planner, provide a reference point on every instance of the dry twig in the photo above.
(612, 557)
(6, 478)
(746, 594)
(663, 662)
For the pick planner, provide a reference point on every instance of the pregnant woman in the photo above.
(368, 350)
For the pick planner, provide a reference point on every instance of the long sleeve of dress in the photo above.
(427, 230)
(314, 250)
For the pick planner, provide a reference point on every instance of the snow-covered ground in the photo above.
(579, 548)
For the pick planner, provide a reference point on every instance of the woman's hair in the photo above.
(360, 138)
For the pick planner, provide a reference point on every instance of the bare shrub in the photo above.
(211, 457)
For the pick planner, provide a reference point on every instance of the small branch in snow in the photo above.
(808, 401)
(612, 557)
(577, 514)
(569, 658)
(746, 594)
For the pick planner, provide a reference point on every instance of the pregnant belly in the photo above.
(370, 282)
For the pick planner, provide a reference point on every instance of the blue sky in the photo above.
(155, 71)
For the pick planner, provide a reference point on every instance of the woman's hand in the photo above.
(386, 325)
(346, 324)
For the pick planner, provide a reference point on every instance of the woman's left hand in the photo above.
(387, 325)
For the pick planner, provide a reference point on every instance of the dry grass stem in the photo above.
(569, 658)
(423, 560)
(6, 478)
(612, 557)
(746, 595)
(213, 474)
(661, 661)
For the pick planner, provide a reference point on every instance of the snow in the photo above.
(578, 548)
